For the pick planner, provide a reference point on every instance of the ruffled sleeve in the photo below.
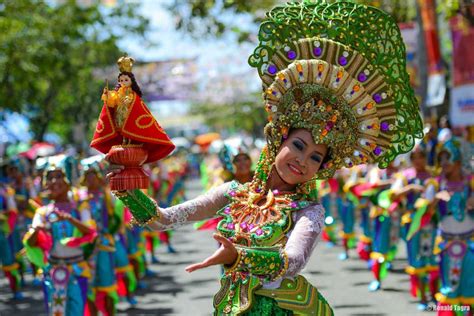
(144, 208)
(302, 240)
(202, 207)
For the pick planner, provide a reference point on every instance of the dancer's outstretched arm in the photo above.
(146, 211)
(271, 263)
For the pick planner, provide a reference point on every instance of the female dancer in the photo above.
(53, 243)
(332, 102)
(454, 242)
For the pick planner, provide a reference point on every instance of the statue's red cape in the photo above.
(140, 126)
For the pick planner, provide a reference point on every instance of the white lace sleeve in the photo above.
(303, 238)
(202, 207)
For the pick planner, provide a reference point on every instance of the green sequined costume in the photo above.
(266, 306)
(261, 251)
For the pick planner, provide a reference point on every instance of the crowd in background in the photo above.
(60, 223)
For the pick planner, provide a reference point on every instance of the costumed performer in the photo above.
(455, 240)
(419, 226)
(96, 197)
(332, 103)
(54, 243)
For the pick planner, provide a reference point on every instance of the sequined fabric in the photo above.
(266, 306)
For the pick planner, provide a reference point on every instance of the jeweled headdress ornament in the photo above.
(452, 147)
(338, 70)
(67, 165)
(125, 63)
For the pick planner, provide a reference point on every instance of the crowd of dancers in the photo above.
(59, 222)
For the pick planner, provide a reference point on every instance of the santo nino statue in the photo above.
(126, 129)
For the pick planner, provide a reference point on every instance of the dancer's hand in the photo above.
(443, 196)
(114, 170)
(226, 254)
(40, 227)
(417, 188)
(105, 94)
(63, 216)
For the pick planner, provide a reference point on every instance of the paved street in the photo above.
(176, 292)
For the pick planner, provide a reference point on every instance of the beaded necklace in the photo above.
(254, 216)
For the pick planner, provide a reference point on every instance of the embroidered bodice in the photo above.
(301, 228)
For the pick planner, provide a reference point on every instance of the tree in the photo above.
(453, 7)
(247, 115)
(211, 17)
(49, 55)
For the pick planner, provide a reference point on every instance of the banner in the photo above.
(410, 33)
(166, 80)
(436, 77)
(462, 96)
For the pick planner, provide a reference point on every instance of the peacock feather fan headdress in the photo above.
(338, 70)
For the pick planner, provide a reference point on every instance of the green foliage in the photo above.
(211, 17)
(249, 115)
(452, 7)
(49, 55)
(401, 10)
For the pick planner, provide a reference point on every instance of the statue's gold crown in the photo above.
(125, 63)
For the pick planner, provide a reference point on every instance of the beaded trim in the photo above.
(253, 216)
(285, 265)
(144, 209)
(271, 262)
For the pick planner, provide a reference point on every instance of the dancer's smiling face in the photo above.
(299, 157)
(242, 163)
(92, 180)
(56, 185)
(418, 159)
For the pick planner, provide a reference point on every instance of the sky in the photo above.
(175, 44)
(218, 59)
(221, 60)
